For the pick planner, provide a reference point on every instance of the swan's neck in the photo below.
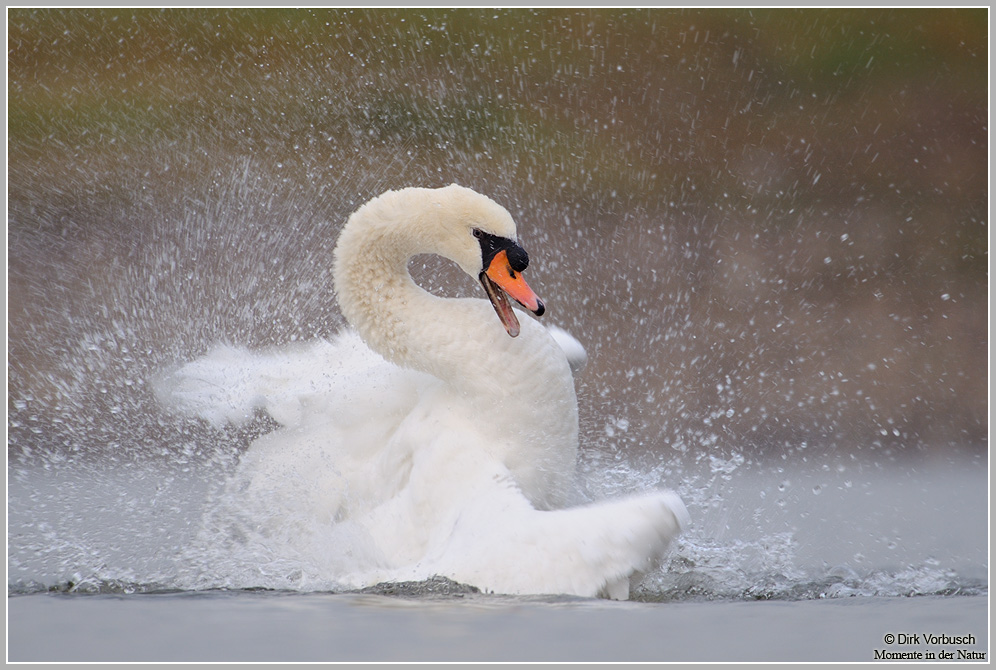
(395, 317)
(522, 385)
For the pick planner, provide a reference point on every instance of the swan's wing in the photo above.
(501, 544)
(228, 384)
(577, 357)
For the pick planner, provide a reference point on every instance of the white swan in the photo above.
(432, 439)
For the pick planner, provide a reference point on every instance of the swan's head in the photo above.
(468, 228)
(479, 235)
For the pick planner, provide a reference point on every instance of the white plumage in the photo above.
(425, 440)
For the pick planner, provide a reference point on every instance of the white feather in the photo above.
(426, 441)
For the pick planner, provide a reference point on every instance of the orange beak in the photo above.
(500, 281)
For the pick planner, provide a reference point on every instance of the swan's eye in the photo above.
(478, 233)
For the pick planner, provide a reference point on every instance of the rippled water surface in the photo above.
(762, 531)
(774, 553)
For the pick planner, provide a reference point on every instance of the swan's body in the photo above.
(428, 439)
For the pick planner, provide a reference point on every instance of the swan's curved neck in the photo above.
(395, 317)
(522, 387)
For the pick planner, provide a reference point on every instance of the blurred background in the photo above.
(768, 227)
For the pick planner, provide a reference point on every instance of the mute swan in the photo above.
(431, 439)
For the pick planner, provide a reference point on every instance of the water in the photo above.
(318, 627)
(768, 229)
(767, 562)
(759, 532)
(774, 553)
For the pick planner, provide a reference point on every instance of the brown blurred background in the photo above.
(769, 228)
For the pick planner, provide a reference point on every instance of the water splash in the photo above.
(154, 527)
(747, 281)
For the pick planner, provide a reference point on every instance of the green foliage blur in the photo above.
(777, 211)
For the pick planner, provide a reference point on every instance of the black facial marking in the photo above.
(518, 259)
